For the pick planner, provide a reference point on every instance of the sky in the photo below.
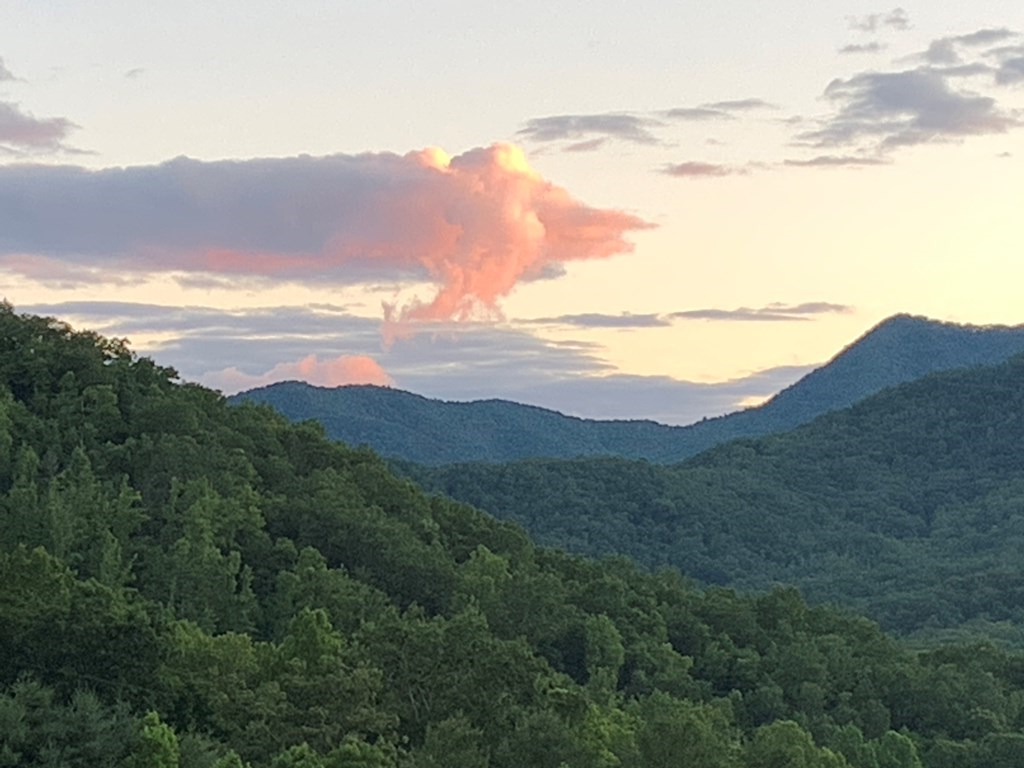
(617, 210)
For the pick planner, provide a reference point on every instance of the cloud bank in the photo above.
(239, 349)
(474, 225)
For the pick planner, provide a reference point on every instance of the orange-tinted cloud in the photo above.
(330, 372)
(474, 225)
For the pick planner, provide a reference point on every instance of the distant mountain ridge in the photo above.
(405, 426)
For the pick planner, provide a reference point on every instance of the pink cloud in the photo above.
(330, 372)
(473, 225)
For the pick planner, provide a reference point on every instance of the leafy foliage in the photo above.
(195, 585)
(908, 506)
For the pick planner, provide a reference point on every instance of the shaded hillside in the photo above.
(405, 426)
(909, 505)
(191, 585)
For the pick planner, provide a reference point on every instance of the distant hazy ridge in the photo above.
(402, 425)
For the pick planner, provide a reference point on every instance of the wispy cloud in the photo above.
(701, 170)
(601, 320)
(621, 126)
(5, 73)
(718, 110)
(837, 161)
(589, 145)
(698, 113)
(896, 19)
(474, 225)
(873, 47)
(590, 132)
(740, 105)
(775, 312)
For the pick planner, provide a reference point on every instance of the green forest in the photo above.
(190, 584)
(908, 506)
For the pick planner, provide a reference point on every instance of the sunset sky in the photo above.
(617, 210)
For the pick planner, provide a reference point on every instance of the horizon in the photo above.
(666, 215)
(570, 414)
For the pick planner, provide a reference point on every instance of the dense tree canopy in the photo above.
(907, 506)
(191, 584)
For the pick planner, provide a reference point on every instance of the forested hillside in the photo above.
(188, 584)
(908, 506)
(405, 426)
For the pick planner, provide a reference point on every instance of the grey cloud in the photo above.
(589, 145)
(547, 272)
(872, 47)
(896, 19)
(880, 111)
(698, 113)
(289, 205)
(889, 109)
(201, 341)
(5, 73)
(312, 321)
(810, 308)
(600, 320)
(717, 110)
(590, 132)
(22, 133)
(699, 170)
(946, 50)
(1011, 66)
(837, 161)
(611, 125)
(774, 312)
(134, 73)
(741, 105)
(742, 314)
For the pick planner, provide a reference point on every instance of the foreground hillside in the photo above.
(908, 506)
(405, 426)
(196, 585)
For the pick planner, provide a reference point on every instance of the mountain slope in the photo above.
(908, 505)
(194, 585)
(405, 426)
